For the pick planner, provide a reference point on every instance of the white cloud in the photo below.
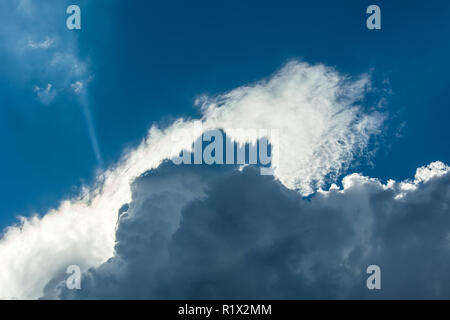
(321, 129)
(435, 169)
(45, 95)
(31, 39)
(77, 86)
(44, 44)
(321, 126)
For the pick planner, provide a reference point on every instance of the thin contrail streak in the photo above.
(91, 129)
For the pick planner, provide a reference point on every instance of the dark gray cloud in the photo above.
(212, 232)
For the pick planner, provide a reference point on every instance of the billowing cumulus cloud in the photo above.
(236, 234)
(322, 127)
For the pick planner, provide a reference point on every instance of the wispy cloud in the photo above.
(45, 95)
(77, 86)
(44, 44)
(31, 39)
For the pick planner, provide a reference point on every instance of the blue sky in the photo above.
(150, 61)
